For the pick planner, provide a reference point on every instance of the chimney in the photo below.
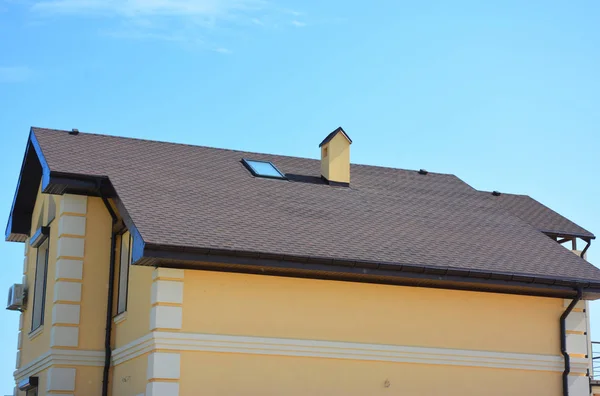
(335, 158)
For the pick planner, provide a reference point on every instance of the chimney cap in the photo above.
(74, 131)
(496, 193)
(423, 172)
(332, 135)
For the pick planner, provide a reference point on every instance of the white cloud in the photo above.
(15, 74)
(133, 8)
(202, 24)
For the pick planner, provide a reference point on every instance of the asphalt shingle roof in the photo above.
(184, 195)
(540, 216)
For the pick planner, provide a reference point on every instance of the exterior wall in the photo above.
(32, 344)
(135, 322)
(129, 378)
(237, 374)
(236, 334)
(356, 312)
(66, 353)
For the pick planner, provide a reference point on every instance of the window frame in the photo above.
(248, 165)
(42, 309)
(120, 311)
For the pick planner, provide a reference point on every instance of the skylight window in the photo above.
(263, 169)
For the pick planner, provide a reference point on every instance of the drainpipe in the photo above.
(589, 242)
(563, 341)
(109, 303)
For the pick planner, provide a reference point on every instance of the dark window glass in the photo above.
(39, 292)
(125, 261)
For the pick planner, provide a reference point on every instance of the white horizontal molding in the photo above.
(60, 357)
(171, 341)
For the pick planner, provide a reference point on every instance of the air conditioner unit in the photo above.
(16, 298)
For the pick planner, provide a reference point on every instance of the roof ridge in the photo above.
(232, 150)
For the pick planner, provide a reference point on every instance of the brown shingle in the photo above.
(540, 216)
(203, 197)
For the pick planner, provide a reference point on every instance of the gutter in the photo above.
(563, 341)
(109, 303)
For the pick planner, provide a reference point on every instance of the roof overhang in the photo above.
(369, 272)
(35, 168)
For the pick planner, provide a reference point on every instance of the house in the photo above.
(165, 269)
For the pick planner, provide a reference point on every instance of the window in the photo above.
(39, 291)
(32, 392)
(263, 169)
(124, 263)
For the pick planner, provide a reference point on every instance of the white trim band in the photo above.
(62, 357)
(167, 341)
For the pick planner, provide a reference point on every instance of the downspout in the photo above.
(109, 303)
(563, 341)
(589, 242)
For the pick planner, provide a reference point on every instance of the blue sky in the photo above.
(503, 94)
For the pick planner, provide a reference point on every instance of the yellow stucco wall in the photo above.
(129, 378)
(137, 318)
(95, 276)
(357, 312)
(93, 293)
(33, 347)
(88, 381)
(220, 374)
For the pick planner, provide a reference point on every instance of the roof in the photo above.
(332, 135)
(540, 216)
(187, 197)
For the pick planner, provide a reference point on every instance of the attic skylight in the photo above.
(263, 169)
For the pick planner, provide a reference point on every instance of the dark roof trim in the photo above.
(35, 168)
(332, 135)
(372, 272)
(556, 234)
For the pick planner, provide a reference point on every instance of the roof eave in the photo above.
(36, 168)
(370, 272)
(33, 168)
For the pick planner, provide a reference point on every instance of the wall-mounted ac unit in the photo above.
(16, 298)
